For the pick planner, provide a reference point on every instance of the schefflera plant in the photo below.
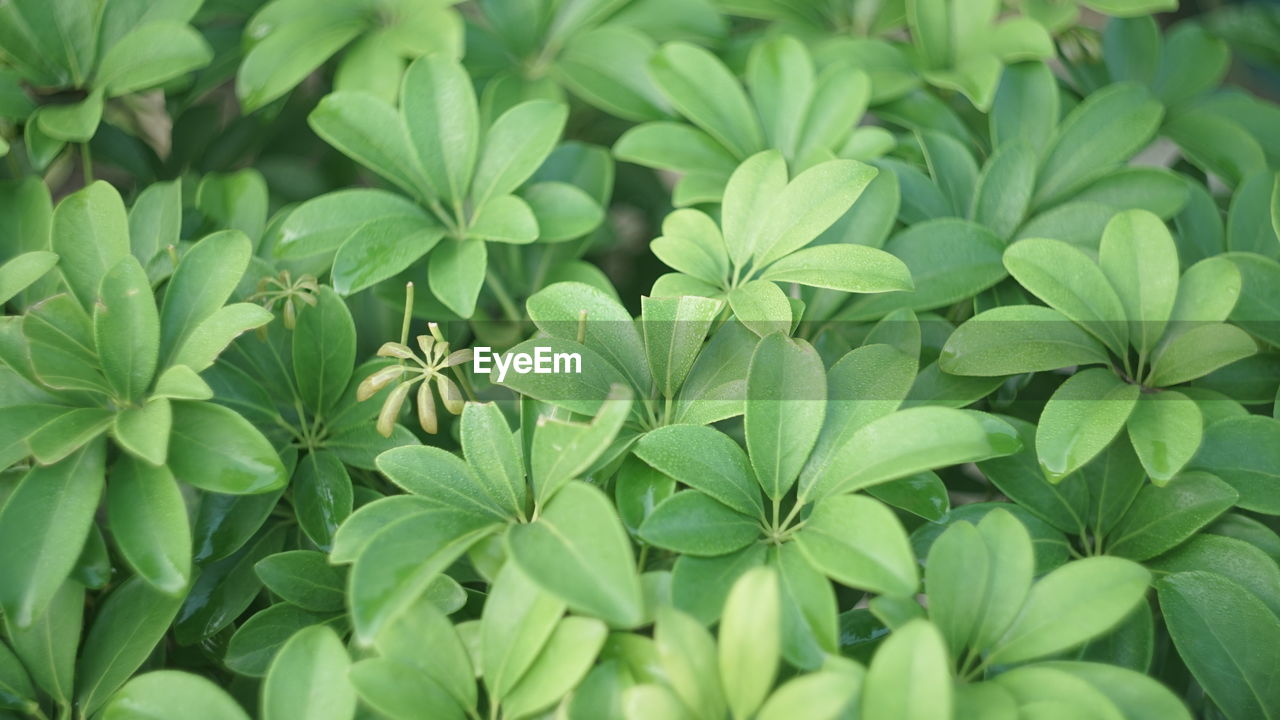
(520, 489)
(105, 359)
(763, 242)
(463, 185)
(789, 105)
(95, 52)
(813, 438)
(1128, 311)
(989, 641)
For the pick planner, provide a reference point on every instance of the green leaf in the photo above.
(1238, 560)
(171, 693)
(1101, 132)
(257, 640)
(18, 273)
(426, 639)
(1245, 452)
(687, 654)
(1003, 193)
(761, 306)
(1228, 638)
(1162, 517)
(16, 691)
(1140, 259)
(605, 66)
(578, 550)
(155, 220)
(1081, 419)
(492, 454)
(149, 524)
(400, 691)
(674, 146)
(558, 310)
(43, 526)
(514, 146)
(398, 563)
(216, 332)
(47, 647)
(1135, 695)
(748, 197)
(907, 443)
(568, 654)
(322, 224)
(126, 629)
(205, 277)
(706, 92)
(378, 249)
(215, 449)
(692, 523)
(72, 122)
(581, 393)
(1166, 430)
(1071, 605)
(950, 259)
(90, 235)
(443, 478)
(909, 677)
(289, 49)
(150, 55)
(456, 273)
(1017, 339)
(563, 451)
(1071, 283)
(808, 205)
(780, 75)
(750, 640)
(366, 129)
(324, 351)
(304, 578)
(786, 402)
(438, 108)
(704, 459)
(977, 579)
(504, 218)
(1198, 351)
(848, 268)
(858, 542)
(322, 495)
(563, 211)
(308, 679)
(518, 619)
(674, 328)
(126, 328)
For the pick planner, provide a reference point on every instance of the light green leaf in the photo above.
(438, 109)
(90, 234)
(844, 267)
(43, 526)
(215, 333)
(860, 543)
(692, 523)
(704, 459)
(1017, 339)
(215, 449)
(204, 279)
(1071, 283)
(1140, 259)
(1081, 419)
(308, 679)
(705, 91)
(786, 403)
(762, 307)
(456, 273)
(808, 205)
(126, 328)
(909, 677)
(750, 640)
(1229, 639)
(505, 218)
(515, 145)
(149, 55)
(1071, 605)
(169, 693)
(1162, 517)
(578, 550)
(1198, 351)
(674, 328)
(18, 273)
(567, 656)
(366, 129)
(376, 250)
(149, 523)
(1166, 430)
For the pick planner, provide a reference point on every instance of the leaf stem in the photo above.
(86, 163)
(509, 309)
